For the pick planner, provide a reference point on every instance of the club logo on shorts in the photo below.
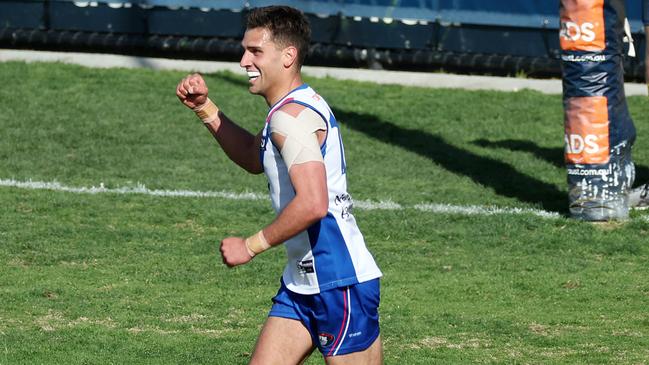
(325, 339)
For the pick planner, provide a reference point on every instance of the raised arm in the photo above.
(241, 146)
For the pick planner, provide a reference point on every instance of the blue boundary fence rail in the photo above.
(495, 36)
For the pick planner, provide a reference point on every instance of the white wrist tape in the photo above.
(257, 244)
(208, 112)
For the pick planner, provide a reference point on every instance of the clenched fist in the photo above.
(192, 91)
(234, 251)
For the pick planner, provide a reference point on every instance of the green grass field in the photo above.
(136, 279)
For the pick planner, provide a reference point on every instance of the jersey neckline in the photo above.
(303, 86)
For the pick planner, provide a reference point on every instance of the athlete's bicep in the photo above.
(309, 180)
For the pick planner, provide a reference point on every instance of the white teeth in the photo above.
(253, 74)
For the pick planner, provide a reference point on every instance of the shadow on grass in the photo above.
(551, 155)
(503, 178)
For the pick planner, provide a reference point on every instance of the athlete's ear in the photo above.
(289, 55)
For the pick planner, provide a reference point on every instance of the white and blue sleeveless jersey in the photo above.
(331, 253)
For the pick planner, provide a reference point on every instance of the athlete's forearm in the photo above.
(310, 204)
(241, 146)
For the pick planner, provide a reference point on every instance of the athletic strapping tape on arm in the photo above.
(300, 140)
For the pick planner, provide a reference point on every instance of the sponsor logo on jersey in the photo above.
(325, 339)
(346, 204)
(586, 130)
(262, 145)
(264, 134)
(305, 266)
(582, 25)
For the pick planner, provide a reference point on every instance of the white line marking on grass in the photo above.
(360, 204)
(380, 205)
(139, 189)
(480, 210)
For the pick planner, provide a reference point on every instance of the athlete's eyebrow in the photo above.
(250, 46)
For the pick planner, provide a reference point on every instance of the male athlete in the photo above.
(329, 292)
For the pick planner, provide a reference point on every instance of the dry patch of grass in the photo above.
(191, 318)
(437, 342)
(210, 332)
(55, 320)
(17, 262)
(191, 225)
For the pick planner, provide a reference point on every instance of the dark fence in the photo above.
(475, 36)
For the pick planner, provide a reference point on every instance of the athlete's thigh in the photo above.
(282, 341)
(373, 355)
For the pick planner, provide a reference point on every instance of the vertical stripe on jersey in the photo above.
(330, 252)
(334, 124)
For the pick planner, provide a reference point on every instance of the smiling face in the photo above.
(269, 67)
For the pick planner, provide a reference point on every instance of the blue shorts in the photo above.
(341, 320)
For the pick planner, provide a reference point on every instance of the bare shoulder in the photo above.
(292, 109)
